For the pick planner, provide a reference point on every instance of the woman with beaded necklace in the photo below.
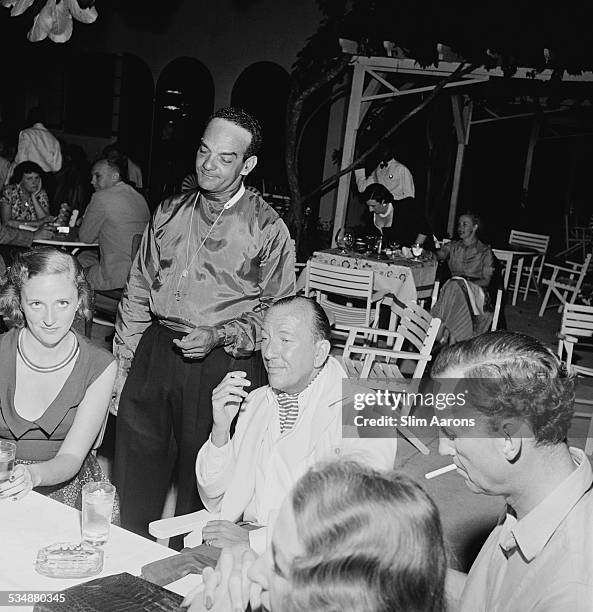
(55, 385)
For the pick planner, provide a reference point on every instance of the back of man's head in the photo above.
(513, 376)
(118, 164)
(244, 120)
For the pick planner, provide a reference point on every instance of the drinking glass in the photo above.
(344, 240)
(97, 506)
(7, 455)
(378, 245)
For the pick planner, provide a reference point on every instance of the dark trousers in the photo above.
(164, 417)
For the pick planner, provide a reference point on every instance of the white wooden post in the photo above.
(352, 123)
(530, 153)
(462, 115)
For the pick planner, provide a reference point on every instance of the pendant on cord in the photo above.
(177, 293)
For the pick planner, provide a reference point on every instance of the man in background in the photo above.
(115, 214)
(387, 171)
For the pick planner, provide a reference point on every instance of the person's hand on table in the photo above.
(199, 342)
(18, 485)
(229, 586)
(224, 533)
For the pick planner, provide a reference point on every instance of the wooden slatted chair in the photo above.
(577, 325)
(565, 282)
(364, 359)
(532, 274)
(324, 282)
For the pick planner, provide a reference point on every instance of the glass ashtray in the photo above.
(69, 560)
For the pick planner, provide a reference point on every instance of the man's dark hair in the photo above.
(243, 119)
(321, 325)
(513, 376)
(378, 192)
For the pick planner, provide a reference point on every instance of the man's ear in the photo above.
(513, 439)
(322, 349)
(249, 165)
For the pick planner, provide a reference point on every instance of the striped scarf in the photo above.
(288, 410)
(288, 404)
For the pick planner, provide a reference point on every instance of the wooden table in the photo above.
(509, 254)
(37, 521)
(406, 279)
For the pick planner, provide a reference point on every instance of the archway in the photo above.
(184, 101)
(262, 90)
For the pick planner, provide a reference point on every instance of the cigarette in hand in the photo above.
(443, 470)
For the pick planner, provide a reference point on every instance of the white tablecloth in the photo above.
(37, 521)
(406, 279)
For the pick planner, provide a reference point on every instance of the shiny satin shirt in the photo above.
(245, 263)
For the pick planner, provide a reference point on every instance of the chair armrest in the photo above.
(388, 353)
(563, 268)
(176, 525)
(367, 330)
(567, 338)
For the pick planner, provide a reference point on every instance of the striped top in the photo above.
(288, 406)
(288, 410)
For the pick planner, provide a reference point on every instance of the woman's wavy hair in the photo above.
(372, 541)
(43, 260)
(511, 375)
(26, 167)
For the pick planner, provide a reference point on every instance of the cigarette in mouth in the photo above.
(443, 470)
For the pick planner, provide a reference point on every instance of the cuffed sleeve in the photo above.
(214, 470)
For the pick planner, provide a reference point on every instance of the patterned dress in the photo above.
(20, 208)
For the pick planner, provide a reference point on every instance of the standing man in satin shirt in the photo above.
(210, 262)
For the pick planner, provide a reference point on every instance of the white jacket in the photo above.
(251, 475)
(39, 145)
(395, 176)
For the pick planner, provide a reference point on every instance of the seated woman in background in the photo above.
(55, 385)
(348, 538)
(24, 201)
(399, 222)
(464, 304)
